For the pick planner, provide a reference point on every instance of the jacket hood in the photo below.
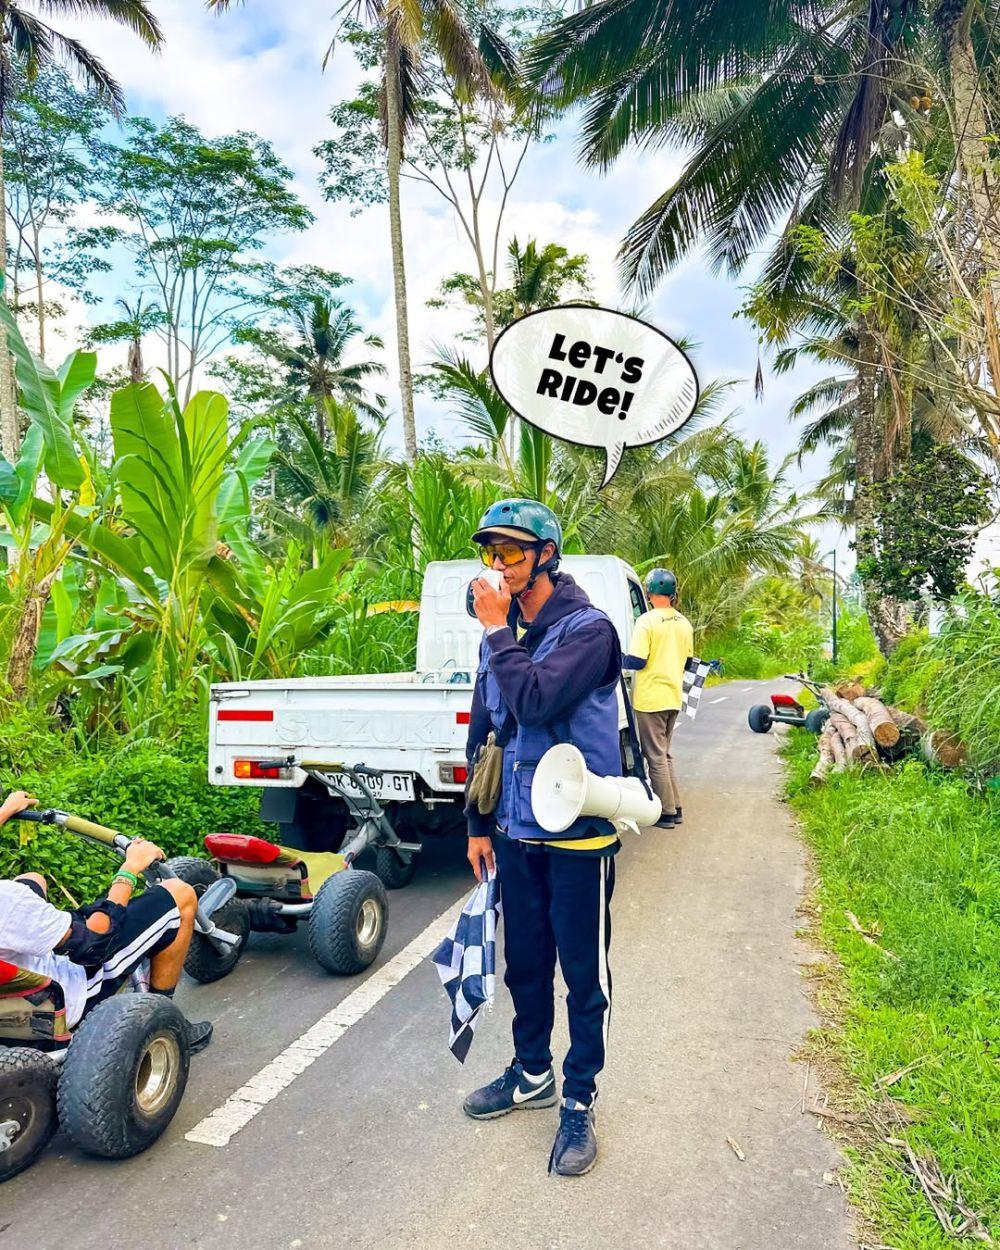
(566, 597)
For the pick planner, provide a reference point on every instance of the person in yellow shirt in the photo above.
(661, 643)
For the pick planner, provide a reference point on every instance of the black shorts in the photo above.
(150, 926)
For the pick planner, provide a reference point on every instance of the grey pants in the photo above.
(655, 731)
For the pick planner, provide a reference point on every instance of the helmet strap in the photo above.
(549, 566)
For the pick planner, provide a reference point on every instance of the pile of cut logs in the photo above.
(863, 730)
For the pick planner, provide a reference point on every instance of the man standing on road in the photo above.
(548, 673)
(662, 642)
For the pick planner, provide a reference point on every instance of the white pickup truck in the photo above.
(410, 726)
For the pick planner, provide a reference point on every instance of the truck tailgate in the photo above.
(393, 722)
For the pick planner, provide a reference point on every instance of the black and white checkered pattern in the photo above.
(695, 672)
(467, 960)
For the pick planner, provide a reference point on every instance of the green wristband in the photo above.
(123, 874)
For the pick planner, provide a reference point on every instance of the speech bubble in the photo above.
(594, 377)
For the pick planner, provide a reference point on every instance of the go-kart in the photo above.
(278, 887)
(786, 710)
(114, 1081)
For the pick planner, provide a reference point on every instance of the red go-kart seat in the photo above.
(242, 848)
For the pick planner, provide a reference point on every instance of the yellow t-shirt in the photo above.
(664, 639)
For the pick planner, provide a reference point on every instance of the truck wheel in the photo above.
(760, 718)
(348, 921)
(125, 1074)
(395, 868)
(27, 1108)
(204, 963)
(816, 719)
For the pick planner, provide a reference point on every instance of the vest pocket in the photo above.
(524, 775)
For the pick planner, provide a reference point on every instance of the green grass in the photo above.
(915, 855)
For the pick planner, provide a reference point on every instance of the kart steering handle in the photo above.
(99, 833)
(76, 824)
(47, 816)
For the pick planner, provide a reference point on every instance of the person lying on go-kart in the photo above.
(92, 951)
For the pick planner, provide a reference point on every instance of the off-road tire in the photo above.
(340, 917)
(203, 962)
(107, 1063)
(195, 871)
(395, 872)
(816, 719)
(760, 718)
(27, 1081)
(206, 964)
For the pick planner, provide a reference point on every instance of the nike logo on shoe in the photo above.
(520, 1095)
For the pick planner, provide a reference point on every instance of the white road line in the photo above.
(720, 700)
(746, 688)
(218, 1128)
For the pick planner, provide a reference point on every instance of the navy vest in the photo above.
(591, 726)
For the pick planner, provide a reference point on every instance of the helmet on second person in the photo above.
(661, 582)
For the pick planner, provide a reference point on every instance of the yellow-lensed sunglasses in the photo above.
(509, 553)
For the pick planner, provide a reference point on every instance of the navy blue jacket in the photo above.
(542, 693)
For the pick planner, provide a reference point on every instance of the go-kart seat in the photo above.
(312, 866)
(241, 848)
(32, 1008)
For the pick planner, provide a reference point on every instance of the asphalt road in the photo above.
(367, 1146)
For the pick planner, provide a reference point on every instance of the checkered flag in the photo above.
(467, 961)
(695, 672)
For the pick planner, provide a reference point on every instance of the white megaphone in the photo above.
(563, 790)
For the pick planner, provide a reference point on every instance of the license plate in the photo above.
(389, 786)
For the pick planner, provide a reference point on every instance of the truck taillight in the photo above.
(261, 770)
(454, 774)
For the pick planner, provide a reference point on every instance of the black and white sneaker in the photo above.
(574, 1151)
(199, 1035)
(515, 1090)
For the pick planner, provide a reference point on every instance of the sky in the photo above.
(259, 67)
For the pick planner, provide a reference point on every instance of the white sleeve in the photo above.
(28, 923)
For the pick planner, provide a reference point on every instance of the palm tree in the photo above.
(785, 104)
(30, 43)
(329, 480)
(539, 278)
(313, 359)
(404, 26)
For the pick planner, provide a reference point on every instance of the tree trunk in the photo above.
(884, 728)
(10, 423)
(394, 138)
(136, 369)
(969, 116)
(39, 289)
(22, 654)
(320, 421)
(825, 762)
(848, 711)
(889, 617)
